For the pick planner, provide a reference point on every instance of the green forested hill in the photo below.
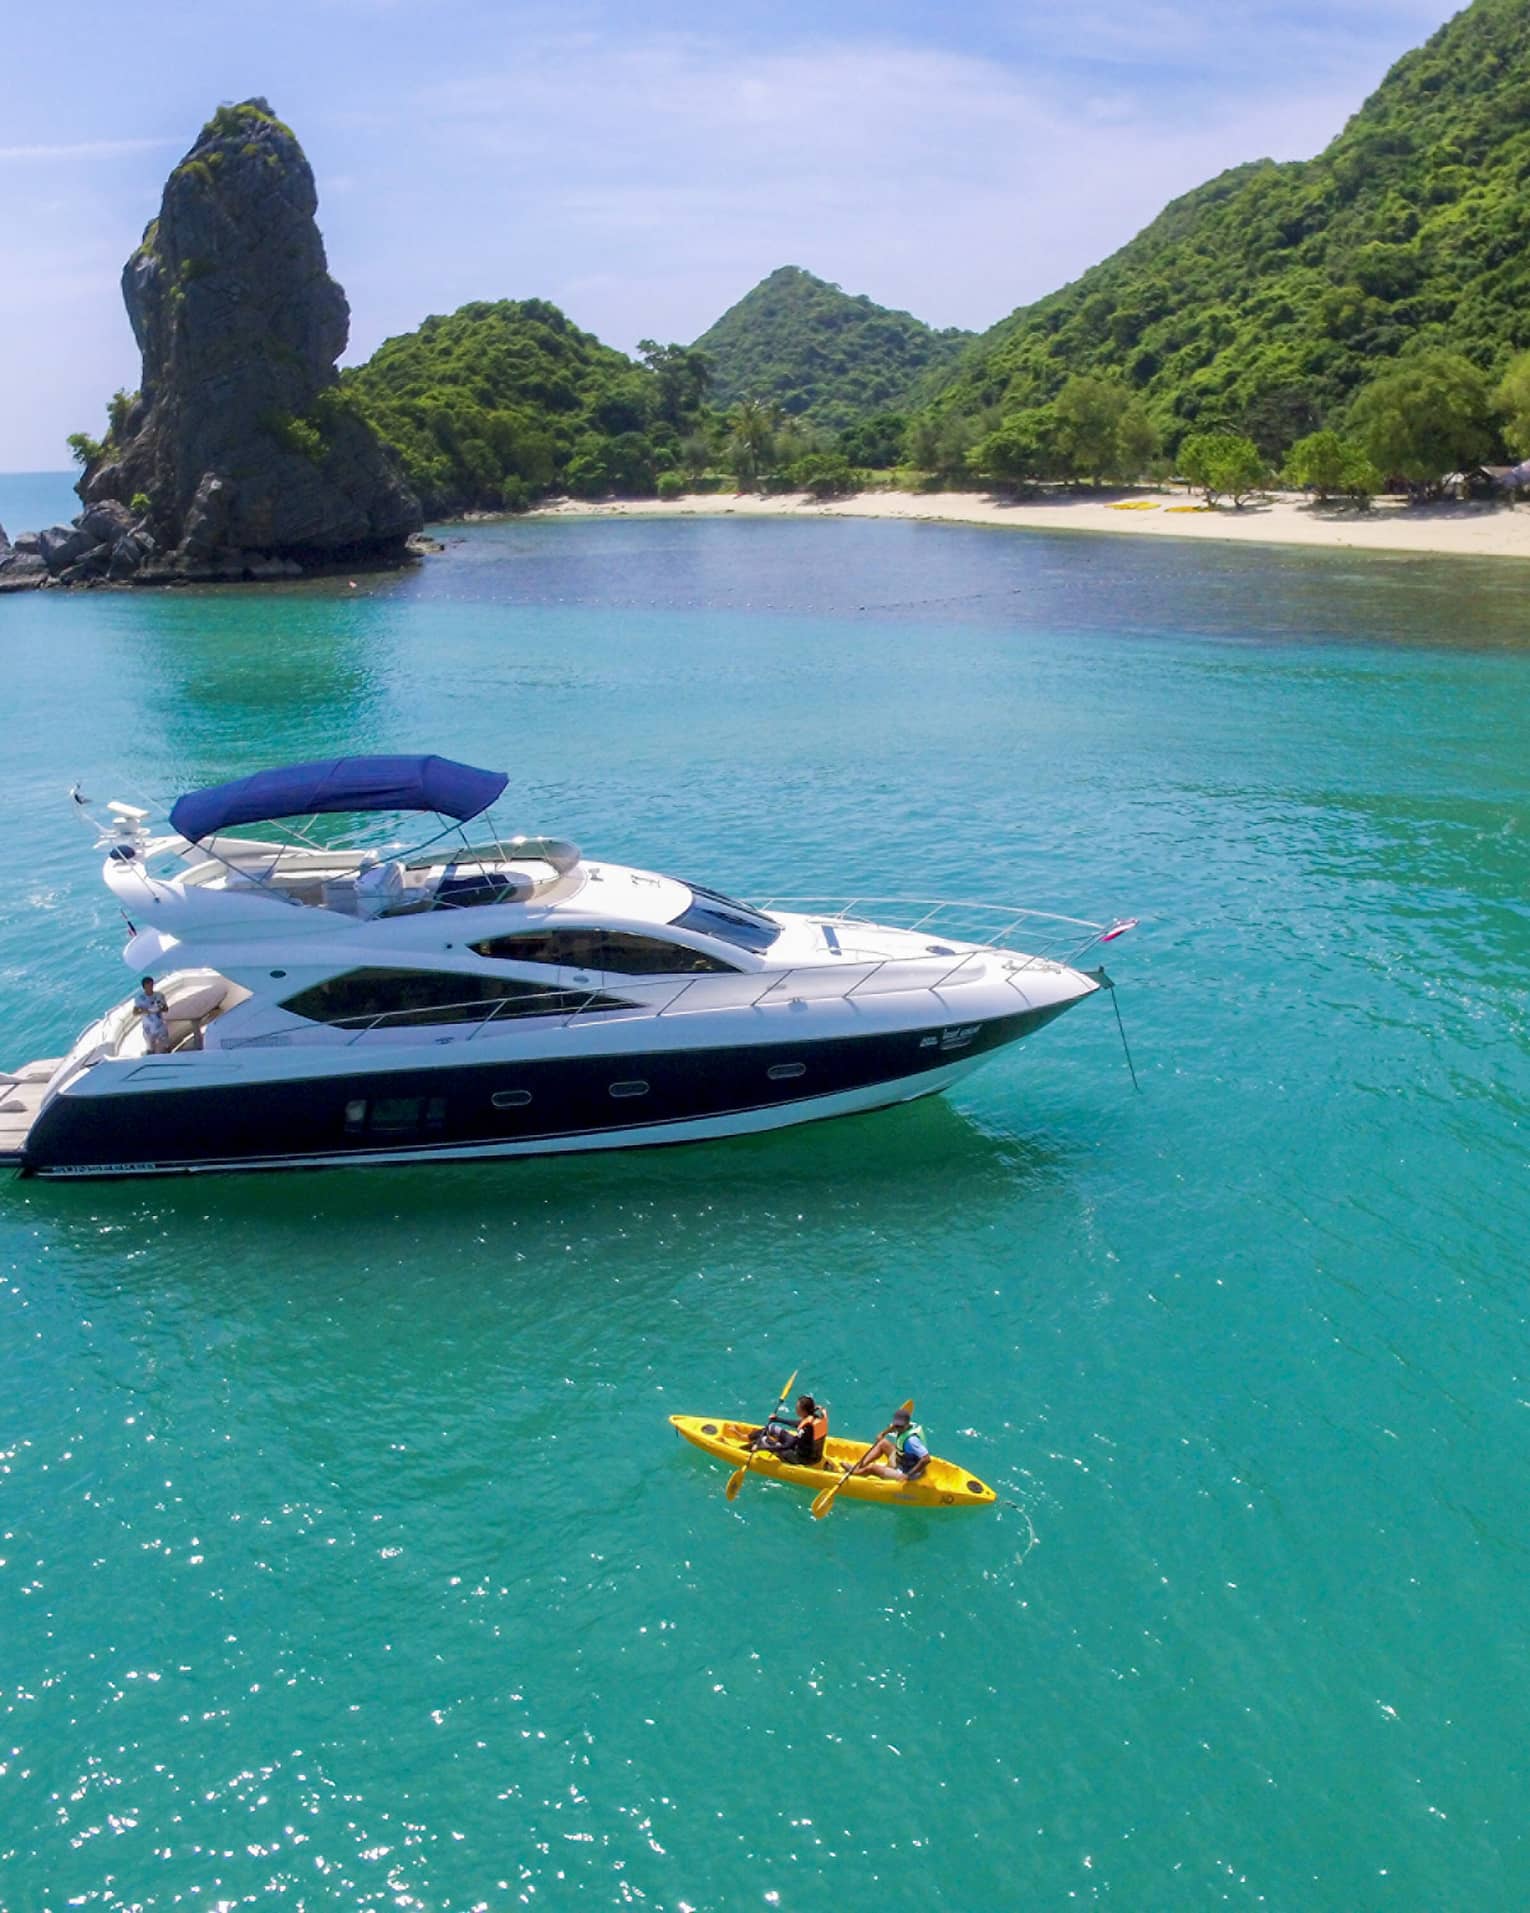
(1261, 301)
(820, 354)
(501, 403)
(1260, 304)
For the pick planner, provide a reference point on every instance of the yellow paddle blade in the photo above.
(823, 1501)
(736, 1479)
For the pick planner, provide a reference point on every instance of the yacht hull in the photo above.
(167, 1118)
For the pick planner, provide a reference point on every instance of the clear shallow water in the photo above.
(348, 1558)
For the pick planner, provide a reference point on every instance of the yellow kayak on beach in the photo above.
(942, 1485)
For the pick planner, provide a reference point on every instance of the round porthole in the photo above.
(974, 1487)
(709, 1428)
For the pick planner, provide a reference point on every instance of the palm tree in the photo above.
(751, 438)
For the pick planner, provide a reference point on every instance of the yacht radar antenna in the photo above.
(126, 827)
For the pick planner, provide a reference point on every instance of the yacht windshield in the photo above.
(715, 915)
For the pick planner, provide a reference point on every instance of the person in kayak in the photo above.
(900, 1453)
(799, 1438)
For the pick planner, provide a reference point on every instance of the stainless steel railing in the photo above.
(992, 926)
(691, 996)
(834, 977)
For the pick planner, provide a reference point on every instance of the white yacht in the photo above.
(506, 997)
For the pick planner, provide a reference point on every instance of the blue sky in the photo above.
(644, 166)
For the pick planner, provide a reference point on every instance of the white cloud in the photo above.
(954, 185)
(86, 149)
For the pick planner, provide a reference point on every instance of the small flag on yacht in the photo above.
(1119, 930)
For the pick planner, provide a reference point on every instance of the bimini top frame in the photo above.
(339, 784)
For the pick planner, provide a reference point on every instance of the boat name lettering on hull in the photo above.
(105, 1169)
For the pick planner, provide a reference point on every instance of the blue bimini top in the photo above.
(339, 784)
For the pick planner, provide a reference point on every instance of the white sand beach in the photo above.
(1455, 529)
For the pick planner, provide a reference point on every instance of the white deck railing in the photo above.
(990, 926)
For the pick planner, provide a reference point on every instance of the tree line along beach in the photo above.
(1353, 328)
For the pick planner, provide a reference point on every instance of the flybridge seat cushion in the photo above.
(467, 889)
(379, 887)
(557, 851)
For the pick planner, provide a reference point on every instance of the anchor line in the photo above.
(1125, 1046)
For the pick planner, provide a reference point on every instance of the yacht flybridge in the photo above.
(505, 997)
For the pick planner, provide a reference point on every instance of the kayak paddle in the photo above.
(736, 1479)
(824, 1500)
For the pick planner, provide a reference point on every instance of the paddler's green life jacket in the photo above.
(900, 1439)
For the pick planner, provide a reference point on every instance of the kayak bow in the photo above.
(942, 1485)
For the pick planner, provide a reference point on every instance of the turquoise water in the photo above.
(348, 1558)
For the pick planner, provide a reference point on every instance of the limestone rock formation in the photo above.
(21, 562)
(240, 448)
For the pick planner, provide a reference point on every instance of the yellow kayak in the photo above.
(942, 1485)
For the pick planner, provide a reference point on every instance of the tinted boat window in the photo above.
(391, 999)
(396, 1116)
(623, 951)
(715, 915)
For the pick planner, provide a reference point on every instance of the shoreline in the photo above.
(1462, 529)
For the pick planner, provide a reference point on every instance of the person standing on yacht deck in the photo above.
(150, 1004)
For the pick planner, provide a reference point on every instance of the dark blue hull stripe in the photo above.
(560, 1103)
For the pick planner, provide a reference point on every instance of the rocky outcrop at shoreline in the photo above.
(105, 541)
(240, 456)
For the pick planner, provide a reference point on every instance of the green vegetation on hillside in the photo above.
(502, 404)
(1346, 320)
(819, 354)
(1262, 302)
